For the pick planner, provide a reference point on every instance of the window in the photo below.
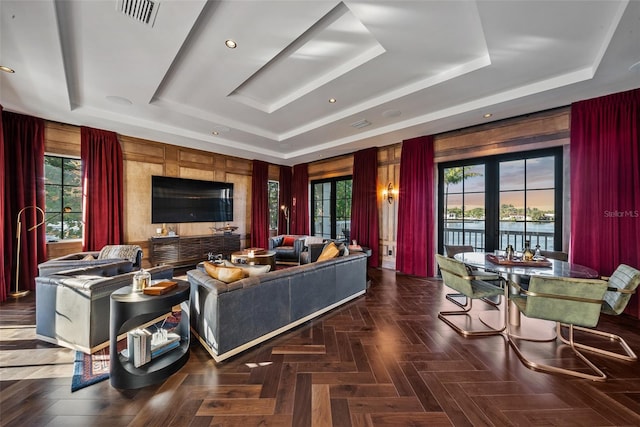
(63, 198)
(464, 197)
(274, 208)
(492, 202)
(331, 208)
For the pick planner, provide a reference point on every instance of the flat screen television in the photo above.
(175, 200)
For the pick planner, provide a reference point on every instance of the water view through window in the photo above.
(501, 201)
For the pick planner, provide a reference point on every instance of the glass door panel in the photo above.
(464, 206)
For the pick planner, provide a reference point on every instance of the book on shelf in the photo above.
(139, 346)
(164, 349)
(163, 340)
(143, 346)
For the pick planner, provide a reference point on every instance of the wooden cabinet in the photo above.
(183, 251)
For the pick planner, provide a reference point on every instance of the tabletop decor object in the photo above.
(501, 260)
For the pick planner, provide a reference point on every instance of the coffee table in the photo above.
(260, 257)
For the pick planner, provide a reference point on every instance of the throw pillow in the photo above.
(329, 251)
(224, 274)
(249, 270)
(88, 257)
(288, 240)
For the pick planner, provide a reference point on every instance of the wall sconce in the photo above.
(389, 193)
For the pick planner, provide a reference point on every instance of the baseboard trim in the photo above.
(220, 357)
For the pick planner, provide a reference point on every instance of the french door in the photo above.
(491, 202)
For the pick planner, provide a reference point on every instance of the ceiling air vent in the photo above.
(361, 124)
(144, 11)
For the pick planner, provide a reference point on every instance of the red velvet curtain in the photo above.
(300, 200)
(260, 205)
(23, 164)
(416, 228)
(4, 249)
(284, 197)
(605, 184)
(103, 188)
(364, 206)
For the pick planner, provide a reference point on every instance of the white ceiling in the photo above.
(408, 68)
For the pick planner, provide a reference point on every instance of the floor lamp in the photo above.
(17, 293)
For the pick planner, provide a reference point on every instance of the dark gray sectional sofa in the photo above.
(73, 306)
(230, 318)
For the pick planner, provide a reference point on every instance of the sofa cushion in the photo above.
(249, 270)
(223, 273)
(88, 257)
(329, 251)
(288, 240)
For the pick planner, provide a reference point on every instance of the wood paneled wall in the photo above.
(532, 132)
(144, 158)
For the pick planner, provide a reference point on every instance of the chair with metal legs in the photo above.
(457, 277)
(459, 299)
(621, 286)
(574, 302)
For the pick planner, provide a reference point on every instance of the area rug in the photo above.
(89, 369)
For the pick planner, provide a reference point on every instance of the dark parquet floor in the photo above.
(382, 360)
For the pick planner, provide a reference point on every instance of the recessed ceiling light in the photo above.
(487, 115)
(231, 44)
(7, 69)
(215, 132)
(332, 100)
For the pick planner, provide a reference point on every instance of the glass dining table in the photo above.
(529, 329)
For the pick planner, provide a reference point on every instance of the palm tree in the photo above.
(455, 175)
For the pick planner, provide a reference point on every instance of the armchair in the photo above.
(109, 253)
(287, 247)
(73, 306)
(621, 285)
(574, 302)
(457, 277)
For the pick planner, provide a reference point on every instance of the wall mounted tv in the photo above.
(176, 200)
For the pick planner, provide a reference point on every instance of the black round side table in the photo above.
(130, 310)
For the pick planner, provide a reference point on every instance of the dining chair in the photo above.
(574, 302)
(557, 255)
(621, 286)
(456, 276)
(560, 256)
(456, 298)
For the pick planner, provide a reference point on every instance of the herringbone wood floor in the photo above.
(382, 360)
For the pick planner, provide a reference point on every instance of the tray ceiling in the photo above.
(396, 69)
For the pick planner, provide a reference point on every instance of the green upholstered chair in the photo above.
(621, 286)
(459, 299)
(560, 256)
(574, 302)
(457, 277)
